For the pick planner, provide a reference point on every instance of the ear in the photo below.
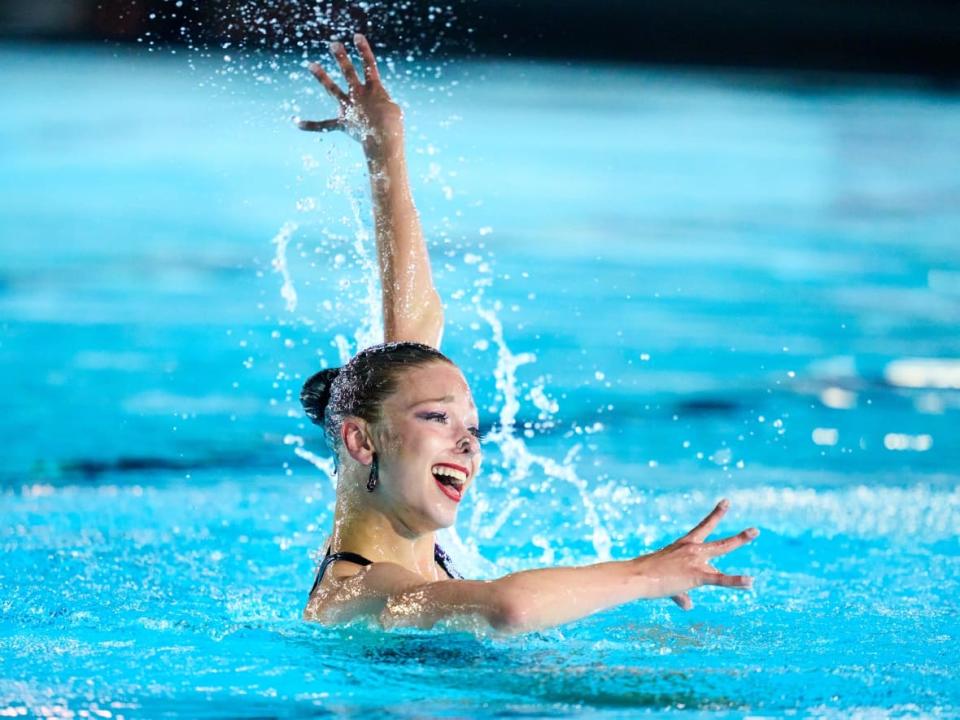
(355, 436)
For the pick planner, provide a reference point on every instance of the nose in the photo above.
(468, 444)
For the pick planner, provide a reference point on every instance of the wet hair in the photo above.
(360, 387)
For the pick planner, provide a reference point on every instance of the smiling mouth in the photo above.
(451, 481)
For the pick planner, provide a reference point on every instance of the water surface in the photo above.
(665, 288)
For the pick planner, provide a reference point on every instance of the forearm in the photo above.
(520, 602)
(409, 297)
(553, 596)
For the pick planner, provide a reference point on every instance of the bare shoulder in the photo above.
(348, 590)
(329, 591)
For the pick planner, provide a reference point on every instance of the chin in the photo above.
(441, 518)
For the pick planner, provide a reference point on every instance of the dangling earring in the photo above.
(374, 475)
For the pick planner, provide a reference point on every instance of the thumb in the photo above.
(683, 600)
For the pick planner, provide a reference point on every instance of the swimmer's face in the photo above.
(428, 426)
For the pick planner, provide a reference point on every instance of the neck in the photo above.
(362, 528)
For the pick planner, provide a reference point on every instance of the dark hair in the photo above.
(360, 387)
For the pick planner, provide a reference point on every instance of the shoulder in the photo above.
(385, 576)
(334, 576)
(349, 589)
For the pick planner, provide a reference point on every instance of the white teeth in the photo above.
(457, 475)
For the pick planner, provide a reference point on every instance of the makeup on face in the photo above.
(450, 476)
(434, 419)
(451, 479)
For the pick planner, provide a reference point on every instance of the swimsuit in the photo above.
(441, 558)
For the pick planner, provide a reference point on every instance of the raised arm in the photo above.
(533, 599)
(411, 306)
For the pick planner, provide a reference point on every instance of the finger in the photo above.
(722, 547)
(320, 125)
(706, 526)
(683, 600)
(320, 74)
(736, 581)
(349, 72)
(370, 72)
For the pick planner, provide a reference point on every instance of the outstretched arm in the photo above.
(533, 599)
(411, 306)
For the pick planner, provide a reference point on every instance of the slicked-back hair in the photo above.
(360, 387)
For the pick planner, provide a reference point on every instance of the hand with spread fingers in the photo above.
(396, 589)
(366, 112)
(685, 563)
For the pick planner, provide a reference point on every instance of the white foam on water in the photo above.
(904, 441)
(838, 398)
(917, 513)
(101, 360)
(160, 402)
(825, 436)
(939, 373)
(900, 710)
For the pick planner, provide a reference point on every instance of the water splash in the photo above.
(370, 331)
(518, 461)
(517, 457)
(326, 465)
(281, 240)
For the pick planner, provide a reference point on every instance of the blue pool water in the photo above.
(664, 287)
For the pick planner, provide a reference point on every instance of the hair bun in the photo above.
(315, 394)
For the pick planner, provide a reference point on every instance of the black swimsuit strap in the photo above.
(441, 558)
(333, 557)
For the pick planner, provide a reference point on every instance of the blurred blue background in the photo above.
(667, 283)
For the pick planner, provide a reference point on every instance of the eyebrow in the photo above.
(444, 399)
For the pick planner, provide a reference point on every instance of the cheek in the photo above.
(411, 441)
(390, 439)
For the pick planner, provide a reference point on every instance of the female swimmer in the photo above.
(403, 427)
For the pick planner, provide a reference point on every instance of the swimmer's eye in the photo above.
(442, 417)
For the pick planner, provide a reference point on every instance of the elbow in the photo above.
(433, 303)
(511, 614)
(422, 323)
(435, 319)
(389, 618)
